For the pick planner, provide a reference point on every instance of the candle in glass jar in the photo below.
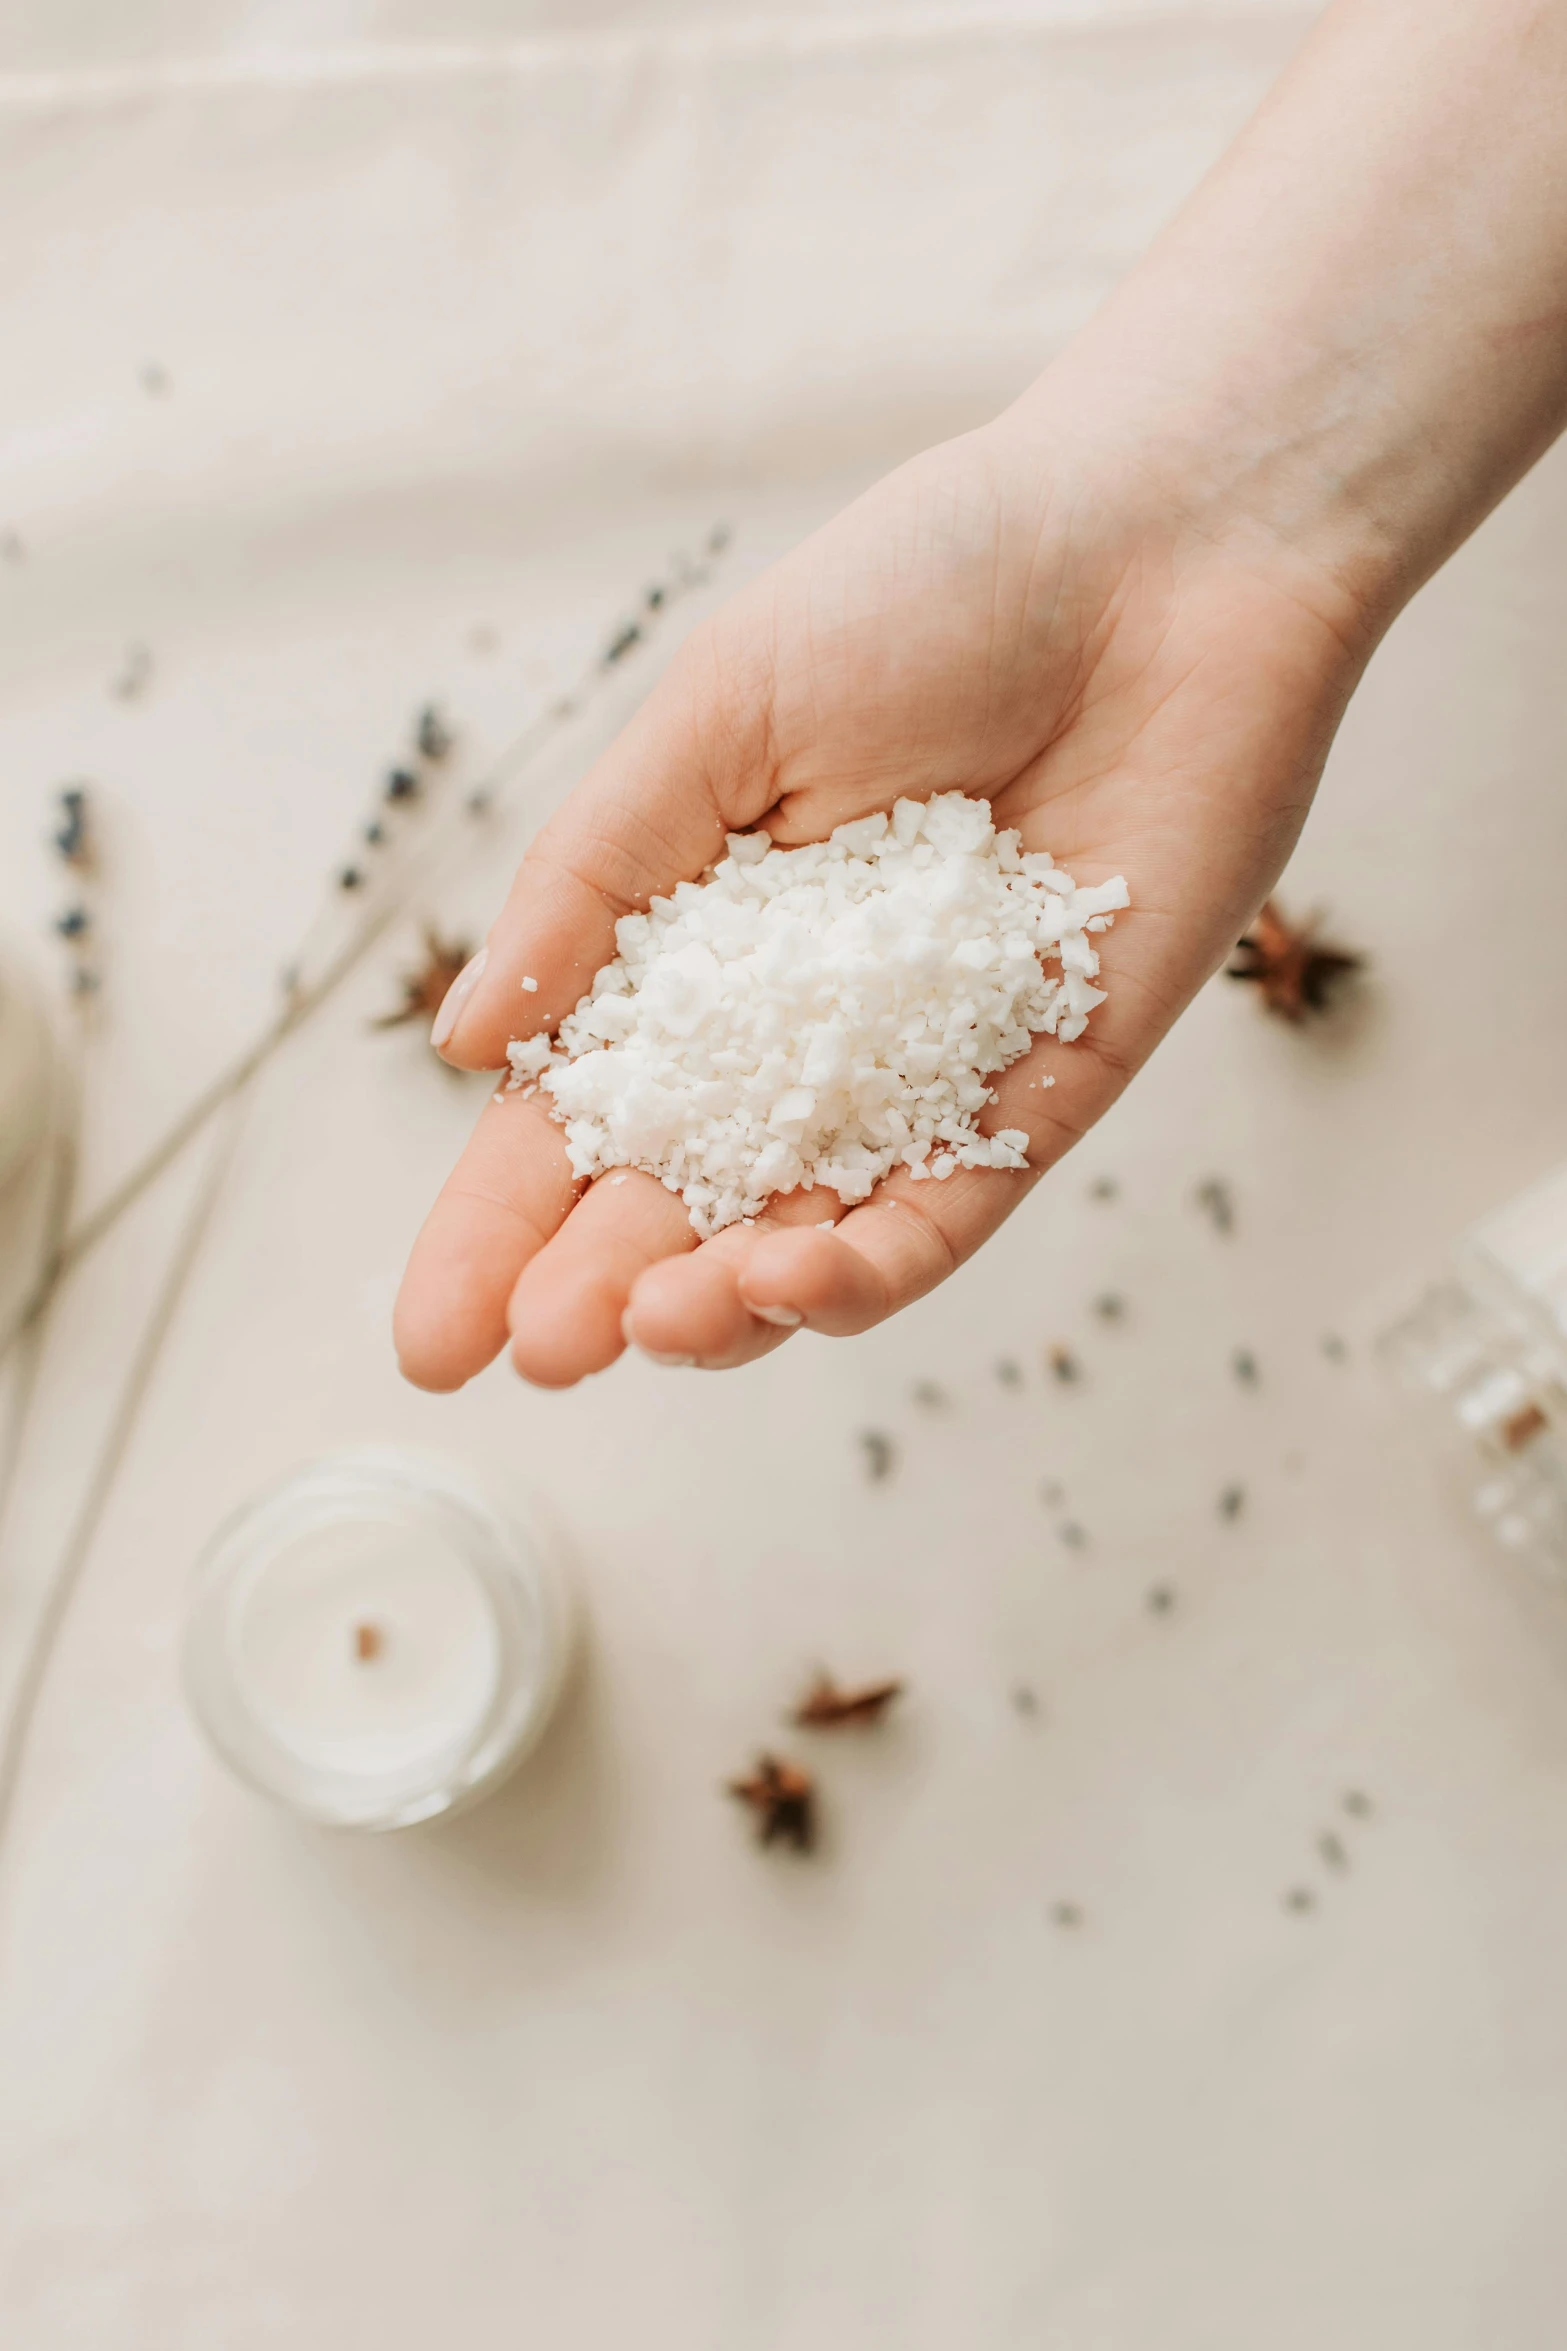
(374, 1642)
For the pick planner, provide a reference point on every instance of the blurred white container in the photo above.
(1489, 1348)
(376, 1640)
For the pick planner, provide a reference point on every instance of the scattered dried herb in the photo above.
(369, 1641)
(881, 1454)
(1295, 971)
(134, 676)
(1072, 1535)
(1066, 1914)
(1300, 1898)
(1064, 1365)
(1333, 1850)
(1161, 1599)
(1357, 1804)
(74, 923)
(1009, 1372)
(1244, 1365)
(931, 1394)
(827, 1708)
(621, 643)
(1025, 1700)
(73, 835)
(1110, 1306)
(1334, 1348)
(1232, 1501)
(783, 1799)
(1522, 1427)
(425, 988)
(1103, 1188)
(350, 878)
(433, 738)
(401, 785)
(1217, 1202)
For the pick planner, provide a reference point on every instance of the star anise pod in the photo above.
(423, 989)
(825, 1707)
(783, 1798)
(1294, 969)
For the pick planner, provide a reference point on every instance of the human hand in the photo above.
(1139, 677)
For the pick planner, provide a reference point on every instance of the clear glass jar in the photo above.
(1488, 1347)
(375, 1641)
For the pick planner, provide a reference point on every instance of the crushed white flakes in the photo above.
(826, 1014)
(530, 984)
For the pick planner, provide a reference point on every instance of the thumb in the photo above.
(694, 764)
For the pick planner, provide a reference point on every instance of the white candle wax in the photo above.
(375, 1641)
(366, 1647)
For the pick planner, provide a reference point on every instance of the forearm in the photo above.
(1355, 335)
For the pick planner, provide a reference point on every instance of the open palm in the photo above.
(1135, 686)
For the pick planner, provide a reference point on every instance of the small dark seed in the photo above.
(350, 878)
(1217, 1202)
(1064, 1364)
(880, 1454)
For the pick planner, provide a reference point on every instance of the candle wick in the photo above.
(369, 1641)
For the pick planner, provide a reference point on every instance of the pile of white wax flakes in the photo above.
(822, 1015)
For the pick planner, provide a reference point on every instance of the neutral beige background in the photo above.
(480, 345)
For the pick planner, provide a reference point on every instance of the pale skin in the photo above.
(1129, 612)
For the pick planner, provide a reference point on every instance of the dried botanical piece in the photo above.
(1244, 1365)
(134, 675)
(1334, 1348)
(1333, 1850)
(1357, 1804)
(1066, 1914)
(401, 785)
(1300, 1898)
(1161, 1599)
(1064, 1364)
(1232, 1501)
(931, 1394)
(1009, 1372)
(783, 1798)
(827, 1708)
(1296, 972)
(1520, 1428)
(433, 738)
(73, 835)
(1110, 1306)
(1217, 1202)
(369, 1641)
(621, 643)
(74, 923)
(880, 1452)
(425, 989)
(1025, 1700)
(1072, 1535)
(1103, 1188)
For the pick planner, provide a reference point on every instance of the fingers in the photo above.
(569, 1301)
(691, 766)
(691, 1310)
(508, 1194)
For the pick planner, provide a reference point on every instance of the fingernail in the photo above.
(675, 1362)
(456, 997)
(784, 1316)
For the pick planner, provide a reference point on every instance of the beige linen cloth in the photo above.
(360, 359)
